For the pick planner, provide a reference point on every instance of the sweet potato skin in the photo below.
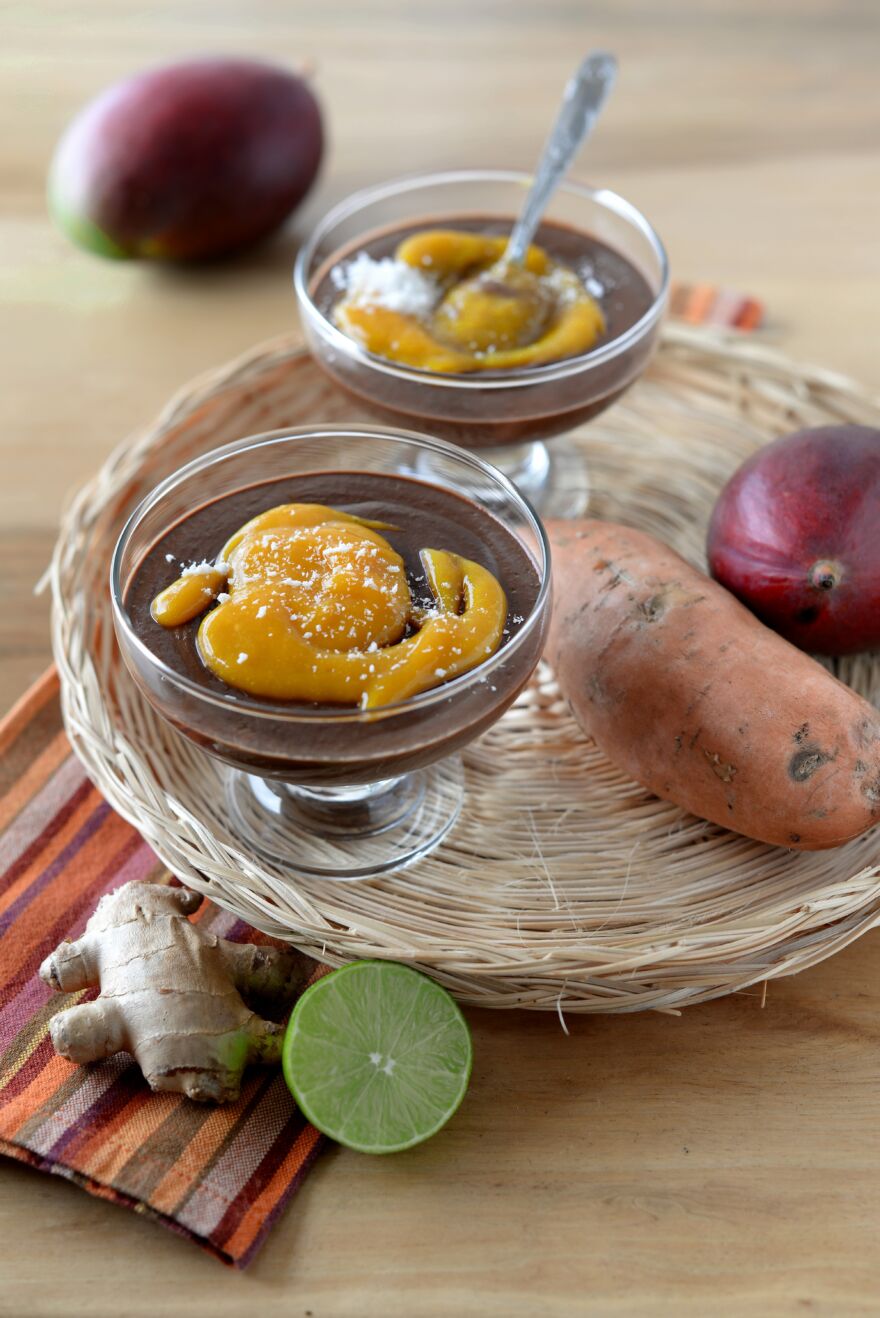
(687, 692)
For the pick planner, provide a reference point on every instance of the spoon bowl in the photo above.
(503, 307)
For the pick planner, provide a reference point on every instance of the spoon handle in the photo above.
(582, 100)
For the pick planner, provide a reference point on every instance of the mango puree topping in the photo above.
(446, 303)
(313, 604)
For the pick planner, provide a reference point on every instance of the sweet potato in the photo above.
(699, 702)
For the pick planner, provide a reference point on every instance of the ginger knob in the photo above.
(170, 993)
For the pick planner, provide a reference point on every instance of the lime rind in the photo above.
(378, 1056)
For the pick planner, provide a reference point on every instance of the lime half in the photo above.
(377, 1056)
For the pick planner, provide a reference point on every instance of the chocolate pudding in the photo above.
(486, 415)
(290, 740)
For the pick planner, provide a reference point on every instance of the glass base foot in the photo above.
(347, 833)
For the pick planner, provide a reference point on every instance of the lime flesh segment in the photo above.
(377, 1056)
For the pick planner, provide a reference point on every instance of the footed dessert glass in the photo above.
(508, 414)
(338, 791)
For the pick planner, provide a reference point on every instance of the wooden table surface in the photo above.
(724, 1162)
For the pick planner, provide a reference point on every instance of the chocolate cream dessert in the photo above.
(307, 616)
(432, 297)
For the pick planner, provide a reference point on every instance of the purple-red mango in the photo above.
(795, 535)
(189, 161)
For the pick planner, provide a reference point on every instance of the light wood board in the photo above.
(726, 1162)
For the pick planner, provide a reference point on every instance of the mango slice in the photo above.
(475, 326)
(319, 609)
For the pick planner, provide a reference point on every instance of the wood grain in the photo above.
(726, 1162)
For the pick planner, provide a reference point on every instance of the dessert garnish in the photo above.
(314, 604)
(446, 302)
(485, 303)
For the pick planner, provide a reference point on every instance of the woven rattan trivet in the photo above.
(564, 886)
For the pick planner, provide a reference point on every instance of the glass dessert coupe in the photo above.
(332, 790)
(508, 414)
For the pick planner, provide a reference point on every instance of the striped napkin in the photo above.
(218, 1175)
(706, 304)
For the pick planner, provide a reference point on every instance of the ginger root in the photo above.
(170, 993)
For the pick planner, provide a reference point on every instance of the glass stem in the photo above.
(350, 811)
(527, 465)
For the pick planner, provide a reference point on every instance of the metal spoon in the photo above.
(585, 94)
(507, 293)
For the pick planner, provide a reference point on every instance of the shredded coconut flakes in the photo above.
(387, 283)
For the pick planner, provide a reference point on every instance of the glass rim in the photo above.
(525, 376)
(240, 702)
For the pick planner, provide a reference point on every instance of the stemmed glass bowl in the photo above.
(336, 791)
(507, 415)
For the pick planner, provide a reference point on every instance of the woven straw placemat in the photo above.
(564, 886)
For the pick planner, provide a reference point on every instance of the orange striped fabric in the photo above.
(706, 304)
(220, 1176)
